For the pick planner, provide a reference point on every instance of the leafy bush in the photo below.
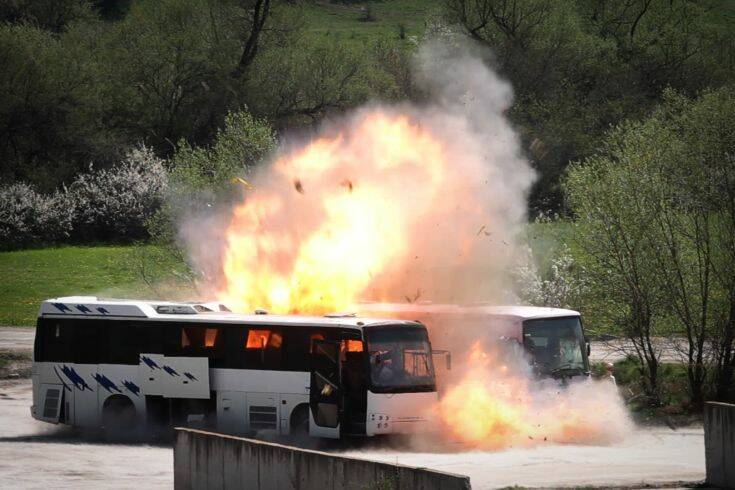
(28, 217)
(238, 147)
(115, 203)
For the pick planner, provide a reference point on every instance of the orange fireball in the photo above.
(331, 215)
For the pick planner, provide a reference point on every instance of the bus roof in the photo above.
(94, 307)
(519, 312)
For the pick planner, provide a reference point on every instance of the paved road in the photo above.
(38, 455)
(651, 456)
(16, 338)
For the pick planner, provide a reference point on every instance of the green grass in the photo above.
(30, 276)
(345, 21)
(673, 384)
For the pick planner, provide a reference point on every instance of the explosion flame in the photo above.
(333, 215)
(495, 405)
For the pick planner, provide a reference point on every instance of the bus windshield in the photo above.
(400, 359)
(556, 345)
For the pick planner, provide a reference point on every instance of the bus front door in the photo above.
(325, 395)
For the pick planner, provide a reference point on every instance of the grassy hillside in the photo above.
(366, 21)
(30, 276)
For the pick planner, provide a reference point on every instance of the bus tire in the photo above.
(299, 422)
(119, 417)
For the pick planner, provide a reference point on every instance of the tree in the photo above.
(305, 84)
(579, 67)
(612, 232)
(673, 178)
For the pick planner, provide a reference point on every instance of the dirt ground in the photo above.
(39, 455)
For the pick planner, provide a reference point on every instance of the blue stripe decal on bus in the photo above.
(60, 379)
(75, 379)
(83, 309)
(106, 383)
(150, 362)
(132, 387)
(171, 371)
(62, 307)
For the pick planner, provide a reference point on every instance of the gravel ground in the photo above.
(39, 455)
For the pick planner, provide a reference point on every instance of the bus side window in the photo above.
(161, 339)
(297, 347)
(263, 348)
(124, 342)
(89, 336)
(56, 341)
(204, 341)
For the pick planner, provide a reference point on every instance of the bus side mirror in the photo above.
(589, 347)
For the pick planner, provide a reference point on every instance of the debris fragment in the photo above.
(240, 180)
(347, 183)
(298, 186)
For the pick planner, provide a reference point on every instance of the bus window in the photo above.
(263, 349)
(88, 337)
(124, 342)
(200, 341)
(353, 345)
(56, 341)
(161, 339)
(257, 339)
(210, 337)
(312, 337)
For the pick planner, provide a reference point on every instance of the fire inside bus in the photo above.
(120, 364)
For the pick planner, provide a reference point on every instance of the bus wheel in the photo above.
(300, 422)
(119, 418)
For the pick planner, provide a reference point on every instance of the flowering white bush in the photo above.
(116, 203)
(562, 286)
(29, 217)
(106, 204)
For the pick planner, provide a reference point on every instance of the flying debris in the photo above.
(347, 183)
(245, 183)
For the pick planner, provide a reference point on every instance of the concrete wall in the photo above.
(213, 461)
(719, 444)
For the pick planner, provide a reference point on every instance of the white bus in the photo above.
(119, 364)
(552, 338)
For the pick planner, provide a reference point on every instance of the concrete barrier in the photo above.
(719, 444)
(213, 461)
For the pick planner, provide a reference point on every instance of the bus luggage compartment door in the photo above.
(174, 377)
